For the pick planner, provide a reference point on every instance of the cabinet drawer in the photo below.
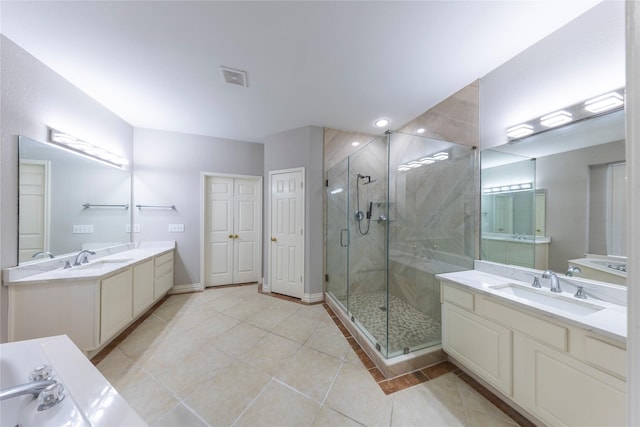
(605, 356)
(548, 333)
(458, 297)
(164, 269)
(164, 258)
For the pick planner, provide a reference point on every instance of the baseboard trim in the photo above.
(183, 289)
(266, 288)
(313, 298)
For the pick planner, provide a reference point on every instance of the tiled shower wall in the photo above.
(447, 236)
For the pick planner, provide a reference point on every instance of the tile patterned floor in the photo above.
(235, 357)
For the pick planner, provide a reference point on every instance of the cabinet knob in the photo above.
(273, 239)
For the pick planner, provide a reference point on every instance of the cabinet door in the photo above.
(142, 286)
(163, 274)
(479, 344)
(116, 304)
(562, 391)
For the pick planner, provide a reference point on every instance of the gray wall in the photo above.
(301, 147)
(566, 178)
(583, 59)
(167, 171)
(32, 98)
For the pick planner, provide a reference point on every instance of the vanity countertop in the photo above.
(95, 269)
(611, 321)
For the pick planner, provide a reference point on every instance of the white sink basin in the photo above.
(102, 263)
(545, 297)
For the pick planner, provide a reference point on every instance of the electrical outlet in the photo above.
(176, 228)
(136, 228)
(83, 229)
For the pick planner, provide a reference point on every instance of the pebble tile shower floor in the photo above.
(236, 357)
(407, 326)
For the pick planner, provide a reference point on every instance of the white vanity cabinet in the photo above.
(116, 303)
(93, 306)
(163, 272)
(143, 286)
(561, 374)
(478, 343)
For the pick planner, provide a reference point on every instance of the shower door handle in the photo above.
(342, 239)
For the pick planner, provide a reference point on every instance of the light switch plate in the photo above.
(176, 228)
(83, 229)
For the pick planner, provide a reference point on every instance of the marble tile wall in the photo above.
(431, 210)
(367, 249)
(455, 119)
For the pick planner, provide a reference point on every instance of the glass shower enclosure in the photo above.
(399, 211)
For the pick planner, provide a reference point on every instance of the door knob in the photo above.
(235, 236)
(231, 236)
(273, 239)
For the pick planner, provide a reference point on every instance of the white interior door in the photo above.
(219, 231)
(247, 225)
(33, 217)
(233, 230)
(287, 233)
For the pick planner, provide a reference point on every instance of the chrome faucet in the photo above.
(33, 388)
(573, 271)
(555, 283)
(85, 260)
(49, 254)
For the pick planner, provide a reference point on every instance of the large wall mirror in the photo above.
(574, 214)
(67, 202)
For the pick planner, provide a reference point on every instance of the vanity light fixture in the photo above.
(556, 119)
(601, 104)
(519, 131)
(442, 155)
(381, 123)
(508, 188)
(605, 102)
(85, 149)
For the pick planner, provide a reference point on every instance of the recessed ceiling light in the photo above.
(421, 130)
(381, 122)
(355, 143)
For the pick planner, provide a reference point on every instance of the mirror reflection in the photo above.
(575, 213)
(68, 202)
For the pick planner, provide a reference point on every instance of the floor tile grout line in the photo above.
(335, 378)
(251, 403)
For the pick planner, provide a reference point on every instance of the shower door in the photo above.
(337, 232)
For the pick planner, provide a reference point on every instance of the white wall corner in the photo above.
(183, 289)
(266, 288)
(313, 298)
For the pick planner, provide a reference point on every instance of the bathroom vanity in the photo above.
(92, 302)
(560, 359)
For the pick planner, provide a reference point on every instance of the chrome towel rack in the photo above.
(157, 206)
(92, 205)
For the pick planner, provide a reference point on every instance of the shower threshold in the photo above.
(394, 366)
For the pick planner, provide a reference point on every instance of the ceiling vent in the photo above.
(233, 76)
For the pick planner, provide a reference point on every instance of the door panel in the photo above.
(234, 219)
(287, 268)
(219, 267)
(247, 209)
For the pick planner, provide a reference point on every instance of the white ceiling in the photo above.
(335, 64)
